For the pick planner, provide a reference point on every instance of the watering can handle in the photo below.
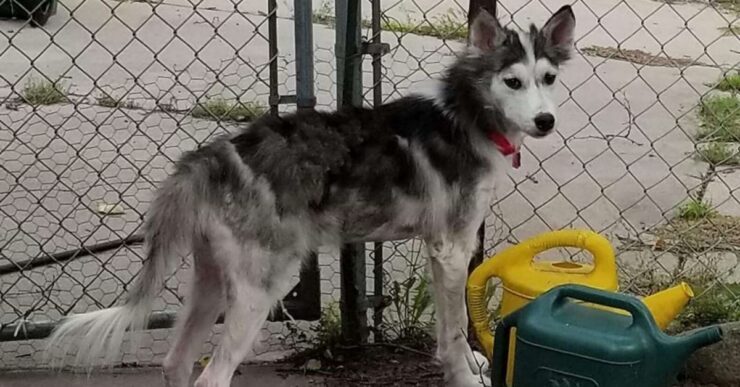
(594, 243)
(641, 315)
(597, 245)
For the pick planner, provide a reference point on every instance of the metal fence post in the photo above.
(310, 283)
(378, 247)
(353, 300)
(273, 51)
(305, 98)
(348, 53)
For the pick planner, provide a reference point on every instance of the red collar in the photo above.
(506, 147)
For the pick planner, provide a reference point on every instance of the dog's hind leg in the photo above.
(449, 258)
(198, 315)
(247, 310)
(254, 282)
(440, 302)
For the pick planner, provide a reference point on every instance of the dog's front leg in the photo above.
(449, 259)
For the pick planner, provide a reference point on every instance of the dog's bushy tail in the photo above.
(99, 335)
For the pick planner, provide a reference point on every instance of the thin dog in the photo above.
(251, 205)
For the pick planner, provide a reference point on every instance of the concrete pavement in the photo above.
(248, 375)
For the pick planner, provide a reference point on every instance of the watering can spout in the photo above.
(667, 304)
(687, 344)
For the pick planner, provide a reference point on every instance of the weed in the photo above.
(324, 15)
(696, 209)
(43, 92)
(713, 305)
(720, 116)
(731, 83)
(719, 153)
(219, 109)
(329, 328)
(449, 26)
(411, 300)
(730, 5)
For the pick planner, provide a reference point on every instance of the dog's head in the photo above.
(522, 69)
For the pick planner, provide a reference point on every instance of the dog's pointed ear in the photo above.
(485, 33)
(559, 30)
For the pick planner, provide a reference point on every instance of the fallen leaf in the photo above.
(110, 209)
(313, 365)
(660, 244)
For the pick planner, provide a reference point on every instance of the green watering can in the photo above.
(562, 343)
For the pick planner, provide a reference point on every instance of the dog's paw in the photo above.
(469, 380)
(479, 364)
(485, 380)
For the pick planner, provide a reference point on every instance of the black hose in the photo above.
(69, 255)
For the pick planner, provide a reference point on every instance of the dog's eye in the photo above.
(549, 78)
(513, 83)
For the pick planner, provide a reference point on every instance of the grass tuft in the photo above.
(329, 328)
(729, 5)
(719, 153)
(716, 305)
(696, 209)
(449, 26)
(731, 83)
(324, 15)
(219, 109)
(43, 92)
(720, 116)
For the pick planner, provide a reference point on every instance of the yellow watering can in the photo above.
(523, 279)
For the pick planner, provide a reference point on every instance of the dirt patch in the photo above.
(713, 233)
(374, 365)
(380, 365)
(717, 364)
(639, 57)
(718, 232)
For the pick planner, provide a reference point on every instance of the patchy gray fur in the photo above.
(253, 204)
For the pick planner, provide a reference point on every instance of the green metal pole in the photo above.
(348, 53)
(349, 93)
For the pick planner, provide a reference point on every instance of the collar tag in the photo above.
(516, 160)
(506, 148)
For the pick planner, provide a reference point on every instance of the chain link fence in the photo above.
(97, 104)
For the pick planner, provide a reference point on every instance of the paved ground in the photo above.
(59, 162)
(248, 376)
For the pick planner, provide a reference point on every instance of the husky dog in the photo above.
(251, 205)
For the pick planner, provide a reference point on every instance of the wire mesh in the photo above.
(97, 103)
(644, 154)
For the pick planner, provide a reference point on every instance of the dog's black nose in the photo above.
(544, 121)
